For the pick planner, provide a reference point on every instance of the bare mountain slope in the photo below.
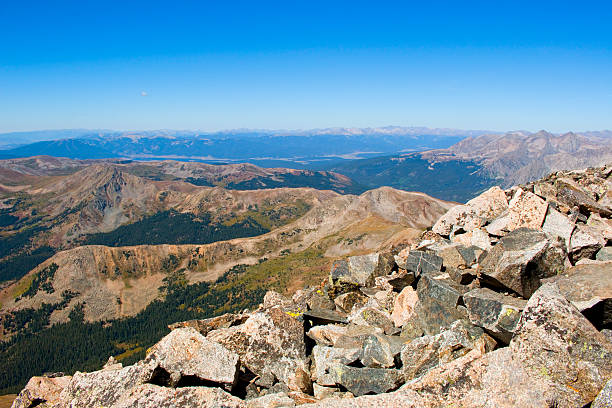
(121, 281)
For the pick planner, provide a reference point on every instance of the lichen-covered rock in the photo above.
(204, 326)
(558, 225)
(360, 270)
(276, 400)
(526, 210)
(186, 353)
(326, 335)
(403, 308)
(270, 344)
(377, 352)
(493, 380)
(153, 396)
(41, 390)
(589, 288)
(362, 381)
(105, 387)
(418, 262)
(604, 398)
(346, 301)
(521, 259)
(604, 254)
(403, 398)
(324, 357)
(554, 340)
(438, 303)
(424, 353)
(371, 316)
(323, 316)
(497, 313)
(474, 213)
(585, 242)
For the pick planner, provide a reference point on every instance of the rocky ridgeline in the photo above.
(506, 302)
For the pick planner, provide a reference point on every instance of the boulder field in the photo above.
(505, 302)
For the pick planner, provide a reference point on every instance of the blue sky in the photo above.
(498, 65)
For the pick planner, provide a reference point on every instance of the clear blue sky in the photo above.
(497, 65)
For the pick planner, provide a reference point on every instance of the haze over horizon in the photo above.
(209, 66)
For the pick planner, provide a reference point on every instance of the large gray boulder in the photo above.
(418, 262)
(521, 259)
(495, 312)
(185, 353)
(362, 381)
(438, 304)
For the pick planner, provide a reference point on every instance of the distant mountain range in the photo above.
(261, 147)
(463, 170)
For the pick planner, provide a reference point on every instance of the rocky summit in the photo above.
(505, 302)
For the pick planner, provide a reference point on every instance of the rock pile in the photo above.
(506, 302)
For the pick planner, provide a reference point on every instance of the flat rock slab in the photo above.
(497, 313)
(185, 352)
(323, 316)
(153, 396)
(362, 381)
(526, 210)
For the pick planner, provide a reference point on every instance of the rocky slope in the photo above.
(121, 281)
(505, 302)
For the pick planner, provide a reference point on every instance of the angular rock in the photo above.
(452, 257)
(277, 400)
(427, 352)
(584, 243)
(589, 288)
(604, 254)
(463, 276)
(106, 387)
(403, 308)
(555, 340)
(401, 279)
(186, 353)
(324, 357)
(437, 305)
(370, 316)
(153, 396)
(326, 335)
(362, 381)
(355, 335)
(377, 352)
(493, 380)
(520, 260)
(478, 237)
(474, 213)
(41, 390)
(347, 301)
(604, 398)
(418, 262)
(321, 392)
(526, 210)
(496, 313)
(322, 316)
(204, 326)
(360, 270)
(558, 225)
(602, 225)
(573, 196)
(270, 344)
